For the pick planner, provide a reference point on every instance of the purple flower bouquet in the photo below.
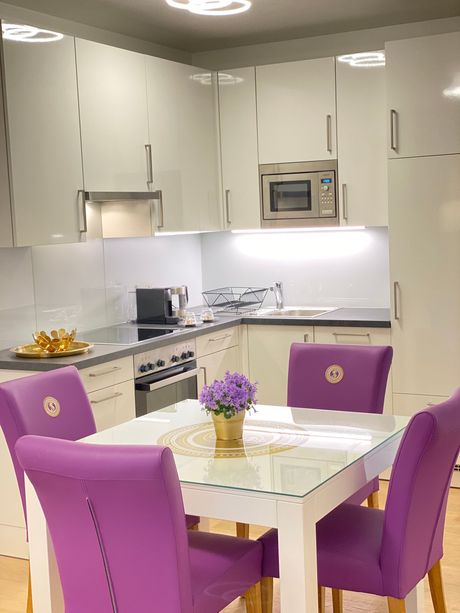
(230, 397)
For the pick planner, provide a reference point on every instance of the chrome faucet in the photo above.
(277, 288)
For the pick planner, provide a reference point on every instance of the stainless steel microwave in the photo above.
(299, 194)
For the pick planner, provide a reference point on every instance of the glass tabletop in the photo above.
(284, 451)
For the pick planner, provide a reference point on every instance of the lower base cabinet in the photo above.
(215, 365)
(113, 405)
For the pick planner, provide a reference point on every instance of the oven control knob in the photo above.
(184, 355)
(190, 354)
(161, 363)
(150, 366)
(175, 358)
(143, 368)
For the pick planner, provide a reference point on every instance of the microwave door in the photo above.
(290, 196)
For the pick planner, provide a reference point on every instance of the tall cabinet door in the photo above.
(239, 151)
(424, 95)
(44, 139)
(114, 118)
(361, 139)
(296, 111)
(183, 132)
(425, 271)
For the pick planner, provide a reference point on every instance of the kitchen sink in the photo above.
(300, 312)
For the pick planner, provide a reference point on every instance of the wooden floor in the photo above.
(13, 572)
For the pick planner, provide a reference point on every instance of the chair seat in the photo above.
(192, 520)
(222, 569)
(348, 543)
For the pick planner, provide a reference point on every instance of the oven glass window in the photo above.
(290, 196)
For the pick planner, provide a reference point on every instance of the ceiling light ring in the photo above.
(211, 7)
(29, 34)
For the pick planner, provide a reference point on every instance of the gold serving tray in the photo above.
(34, 351)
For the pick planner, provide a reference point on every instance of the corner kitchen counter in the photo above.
(351, 317)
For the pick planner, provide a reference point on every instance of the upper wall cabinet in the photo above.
(239, 154)
(424, 95)
(44, 140)
(183, 132)
(296, 111)
(361, 138)
(114, 117)
(6, 221)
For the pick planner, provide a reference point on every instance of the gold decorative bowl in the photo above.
(56, 344)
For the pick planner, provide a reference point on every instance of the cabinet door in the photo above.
(215, 365)
(296, 111)
(114, 118)
(424, 196)
(6, 220)
(183, 132)
(409, 404)
(44, 139)
(238, 143)
(113, 405)
(269, 348)
(361, 143)
(423, 76)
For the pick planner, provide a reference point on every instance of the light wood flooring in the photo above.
(13, 572)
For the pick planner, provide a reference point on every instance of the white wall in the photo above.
(318, 268)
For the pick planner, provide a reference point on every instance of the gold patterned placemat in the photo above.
(259, 438)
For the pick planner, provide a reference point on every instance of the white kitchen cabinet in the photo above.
(296, 111)
(269, 348)
(215, 365)
(424, 200)
(44, 141)
(239, 148)
(114, 117)
(409, 404)
(107, 374)
(182, 103)
(113, 405)
(423, 84)
(6, 219)
(361, 144)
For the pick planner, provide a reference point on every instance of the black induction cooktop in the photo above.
(123, 334)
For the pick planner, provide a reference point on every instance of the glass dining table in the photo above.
(292, 467)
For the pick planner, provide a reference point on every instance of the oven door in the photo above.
(290, 196)
(159, 390)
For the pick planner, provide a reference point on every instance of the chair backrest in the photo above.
(338, 377)
(52, 404)
(116, 519)
(417, 496)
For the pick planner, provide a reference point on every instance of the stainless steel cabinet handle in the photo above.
(188, 374)
(107, 398)
(148, 155)
(306, 337)
(220, 338)
(345, 201)
(82, 219)
(396, 293)
(356, 334)
(227, 206)
(205, 374)
(394, 130)
(101, 373)
(329, 132)
(161, 210)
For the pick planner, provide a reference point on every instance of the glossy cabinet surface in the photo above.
(361, 142)
(114, 118)
(6, 220)
(113, 405)
(423, 76)
(296, 111)
(424, 196)
(44, 140)
(183, 134)
(215, 365)
(239, 148)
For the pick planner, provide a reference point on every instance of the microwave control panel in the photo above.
(327, 196)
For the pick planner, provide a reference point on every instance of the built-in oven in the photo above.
(164, 376)
(299, 194)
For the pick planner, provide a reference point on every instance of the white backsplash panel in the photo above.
(343, 268)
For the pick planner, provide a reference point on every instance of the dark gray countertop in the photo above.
(353, 317)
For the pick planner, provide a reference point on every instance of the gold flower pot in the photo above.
(229, 429)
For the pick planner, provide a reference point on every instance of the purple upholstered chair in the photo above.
(116, 519)
(388, 552)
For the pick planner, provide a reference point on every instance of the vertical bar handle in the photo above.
(306, 337)
(329, 132)
(394, 145)
(82, 219)
(161, 210)
(396, 295)
(345, 201)
(148, 157)
(228, 216)
(205, 374)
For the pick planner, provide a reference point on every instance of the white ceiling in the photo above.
(267, 21)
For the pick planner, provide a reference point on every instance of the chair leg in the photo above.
(242, 531)
(396, 605)
(254, 599)
(266, 586)
(29, 595)
(436, 588)
(321, 598)
(373, 500)
(337, 601)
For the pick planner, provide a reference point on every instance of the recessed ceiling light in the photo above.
(29, 34)
(212, 7)
(369, 59)
(452, 92)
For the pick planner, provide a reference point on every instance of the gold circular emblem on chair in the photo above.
(51, 406)
(334, 373)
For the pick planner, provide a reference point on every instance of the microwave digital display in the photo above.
(327, 180)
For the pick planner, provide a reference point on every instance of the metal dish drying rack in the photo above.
(235, 299)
